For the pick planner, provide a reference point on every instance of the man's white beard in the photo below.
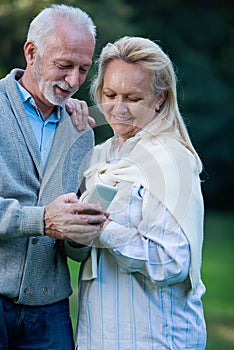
(47, 88)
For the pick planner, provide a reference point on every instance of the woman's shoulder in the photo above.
(166, 153)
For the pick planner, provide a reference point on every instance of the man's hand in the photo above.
(68, 219)
(79, 114)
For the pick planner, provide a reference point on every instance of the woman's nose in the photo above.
(119, 107)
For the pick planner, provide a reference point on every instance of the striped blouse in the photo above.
(141, 298)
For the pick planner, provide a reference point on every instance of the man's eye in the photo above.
(62, 66)
(83, 70)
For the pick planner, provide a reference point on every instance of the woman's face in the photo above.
(128, 100)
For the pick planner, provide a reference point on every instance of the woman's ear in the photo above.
(30, 51)
(160, 100)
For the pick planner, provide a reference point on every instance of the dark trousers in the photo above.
(35, 327)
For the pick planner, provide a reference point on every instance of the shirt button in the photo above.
(45, 290)
(34, 240)
(27, 290)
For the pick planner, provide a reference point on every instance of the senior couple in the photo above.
(139, 283)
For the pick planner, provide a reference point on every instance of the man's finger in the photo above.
(91, 122)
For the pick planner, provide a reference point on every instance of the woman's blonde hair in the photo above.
(150, 56)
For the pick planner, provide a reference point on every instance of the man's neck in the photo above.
(46, 108)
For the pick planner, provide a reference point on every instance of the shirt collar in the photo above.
(26, 97)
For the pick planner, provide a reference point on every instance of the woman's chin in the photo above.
(124, 131)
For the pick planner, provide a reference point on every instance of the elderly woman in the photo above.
(140, 285)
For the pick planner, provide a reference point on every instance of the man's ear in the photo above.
(160, 100)
(30, 51)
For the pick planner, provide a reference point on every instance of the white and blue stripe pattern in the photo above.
(141, 298)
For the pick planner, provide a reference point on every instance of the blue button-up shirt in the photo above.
(44, 130)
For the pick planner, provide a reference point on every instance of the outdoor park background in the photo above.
(198, 36)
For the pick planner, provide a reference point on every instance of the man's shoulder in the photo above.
(70, 139)
(7, 83)
(3, 81)
(68, 127)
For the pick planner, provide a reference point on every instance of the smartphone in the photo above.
(103, 194)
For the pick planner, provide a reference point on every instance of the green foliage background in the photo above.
(198, 36)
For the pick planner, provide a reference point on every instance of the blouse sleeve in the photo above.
(152, 244)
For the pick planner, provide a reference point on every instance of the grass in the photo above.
(217, 274)
(74, 270)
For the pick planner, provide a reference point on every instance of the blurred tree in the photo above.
(15, 16)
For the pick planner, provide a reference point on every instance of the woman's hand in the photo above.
(79, 114)
(105, 223)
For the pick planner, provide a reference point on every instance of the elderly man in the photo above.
(42, 160)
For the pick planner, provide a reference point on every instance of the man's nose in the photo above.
(73, 78)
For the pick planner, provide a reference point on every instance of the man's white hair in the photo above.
(45, 23)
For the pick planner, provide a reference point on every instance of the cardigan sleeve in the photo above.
(20, 221)
(78, 253)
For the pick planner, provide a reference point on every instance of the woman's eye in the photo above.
(111, 96)
(133, 99)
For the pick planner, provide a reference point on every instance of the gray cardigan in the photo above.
(33, 267)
